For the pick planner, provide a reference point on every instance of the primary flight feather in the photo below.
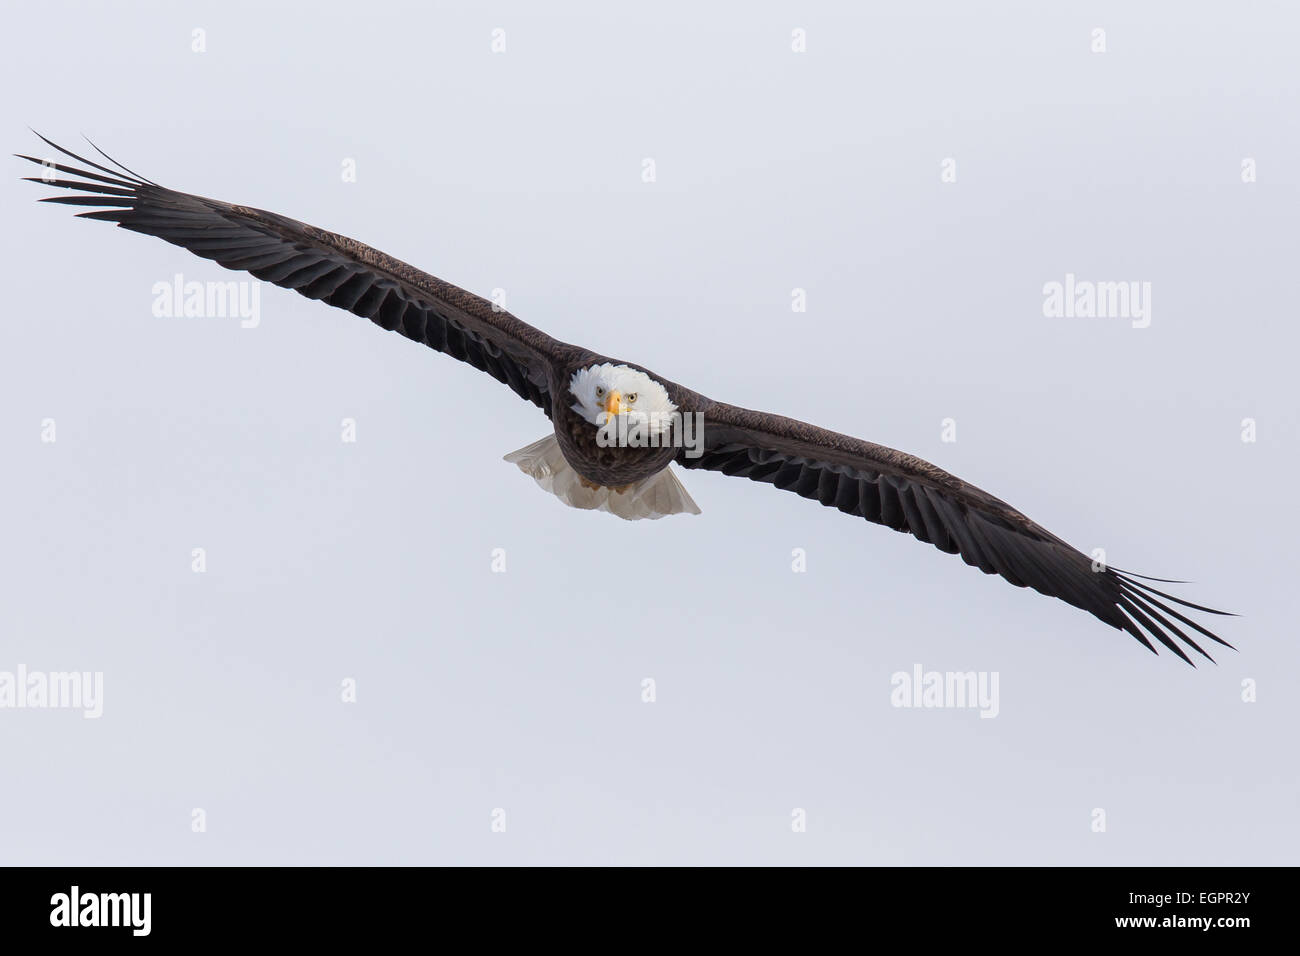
(618, 427)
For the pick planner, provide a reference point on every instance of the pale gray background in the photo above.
(522, 690)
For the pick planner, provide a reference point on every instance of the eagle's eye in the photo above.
(600, 392)
(631, 398)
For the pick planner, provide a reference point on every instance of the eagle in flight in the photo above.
(618, 427)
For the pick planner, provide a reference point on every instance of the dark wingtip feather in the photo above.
(107, 215)
(116, 163)
(1128, 579)
(1174, 629)
(1146, 577)
(115, 180)
(82, 159)
(1142, 610)
(85, 200)
(1133, 629)
(1148, 600)
(96, 189)
(74, 184)
(1153, 629)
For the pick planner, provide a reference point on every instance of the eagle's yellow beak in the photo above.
(614, 403)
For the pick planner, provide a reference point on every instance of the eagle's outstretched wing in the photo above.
(903, 492)
(320, 265)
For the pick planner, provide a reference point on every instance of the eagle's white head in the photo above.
(608, 389)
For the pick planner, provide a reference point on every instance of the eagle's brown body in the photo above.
(611, 466)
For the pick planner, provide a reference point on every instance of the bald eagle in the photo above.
(617, 428)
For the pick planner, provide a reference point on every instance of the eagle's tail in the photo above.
(660, 494)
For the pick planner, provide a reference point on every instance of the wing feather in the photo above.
(905, 493)
(320, 265)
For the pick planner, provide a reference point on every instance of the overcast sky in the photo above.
(922, 174)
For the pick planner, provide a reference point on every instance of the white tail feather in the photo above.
(659, 495)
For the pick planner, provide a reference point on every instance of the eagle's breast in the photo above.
(611, 466)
